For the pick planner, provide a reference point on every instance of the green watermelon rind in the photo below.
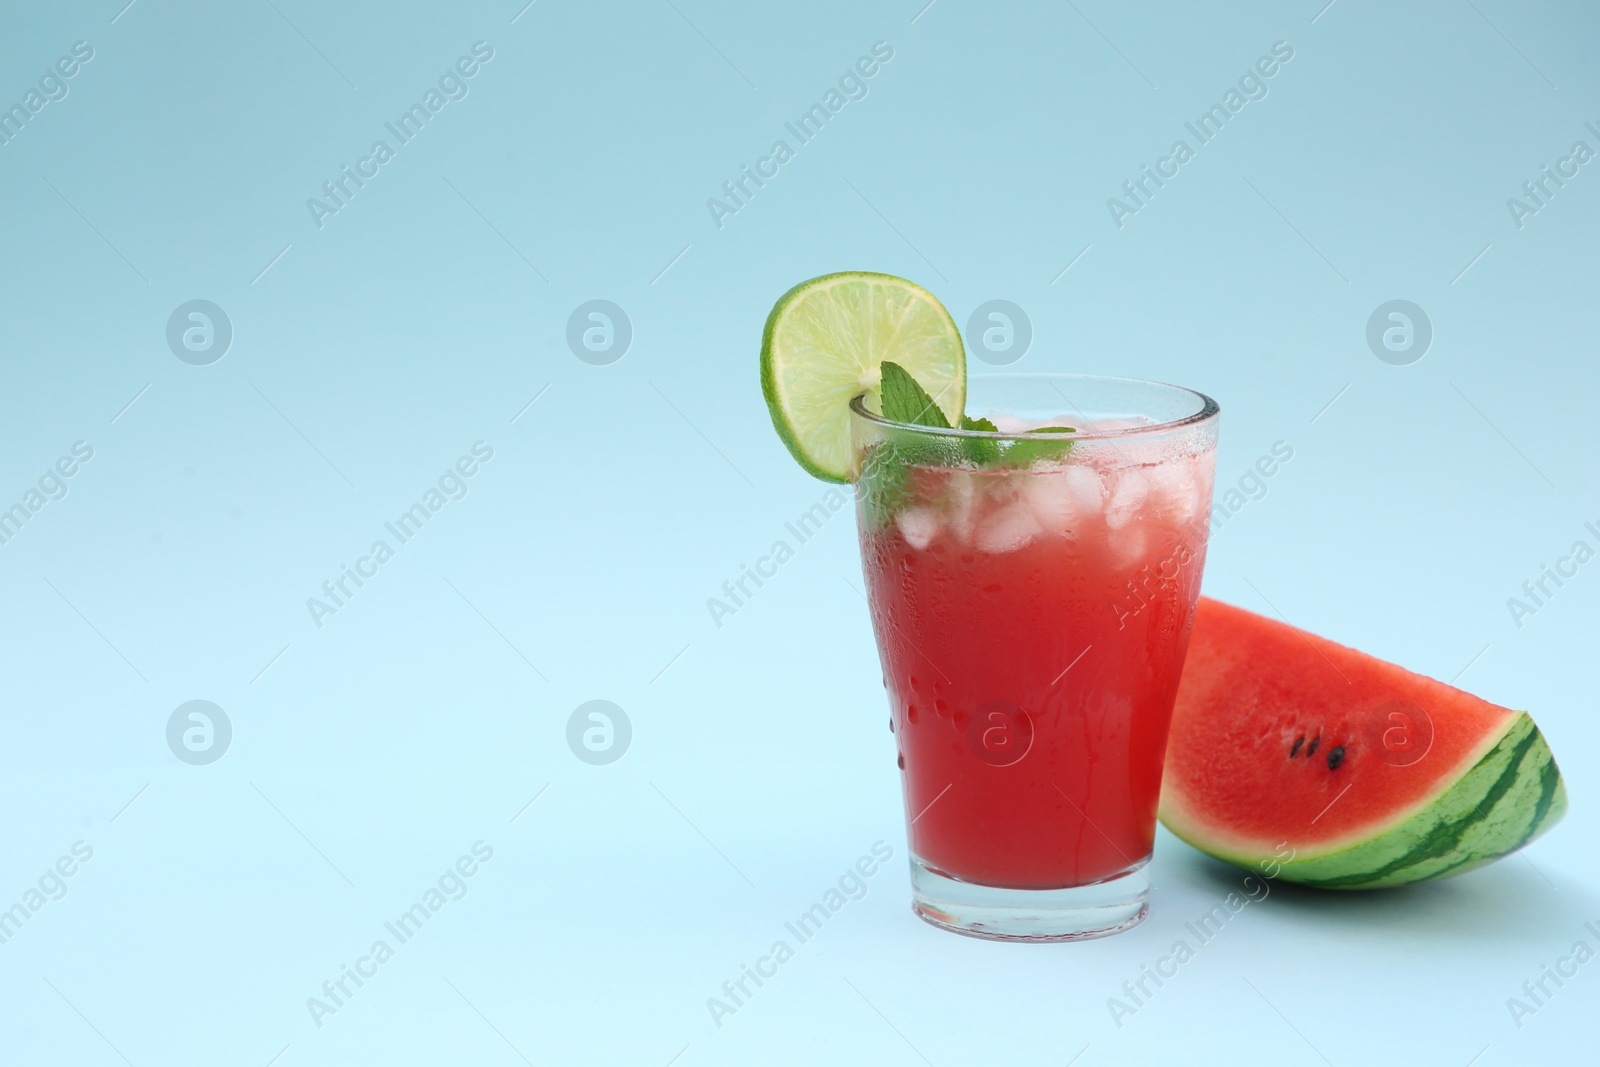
(1511, 795)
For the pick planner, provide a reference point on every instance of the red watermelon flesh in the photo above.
(1285, 744)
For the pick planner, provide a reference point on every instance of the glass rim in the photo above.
(1209, 409)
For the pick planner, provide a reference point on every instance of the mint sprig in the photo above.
(903, 399)
(887, 467)
(1027, 452)
(981, 450)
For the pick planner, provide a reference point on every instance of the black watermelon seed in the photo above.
(1297, 743)
(900, 761)
(1335, 757)
(1312, 751)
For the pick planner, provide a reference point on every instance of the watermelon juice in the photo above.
(1032, 623)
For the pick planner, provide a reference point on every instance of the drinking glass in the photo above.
(1032, 595)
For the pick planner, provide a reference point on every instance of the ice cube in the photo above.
(1128, 491)
(1129, 544)
(1049, 496)
(1200, 477)
(917, 526)
(1009, 423)
(960, 502)
(1109, 425)
(1087, 489)
(1173, 483)
(1007, 528)
(1061, 498)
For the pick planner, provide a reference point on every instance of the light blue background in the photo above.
(370, 353)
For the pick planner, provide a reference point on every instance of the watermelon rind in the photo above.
(1509, 796)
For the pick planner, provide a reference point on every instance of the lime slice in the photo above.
(824, 343)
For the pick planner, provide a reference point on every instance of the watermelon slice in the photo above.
(1319, 764)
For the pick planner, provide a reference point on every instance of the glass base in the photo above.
(1078, 913)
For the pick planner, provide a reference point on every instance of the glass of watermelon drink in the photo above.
(1032, 596)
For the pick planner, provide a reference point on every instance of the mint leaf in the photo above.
(884, 479)
(980, 450)
(886, 468)
(1028, 452)
(902, 399)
